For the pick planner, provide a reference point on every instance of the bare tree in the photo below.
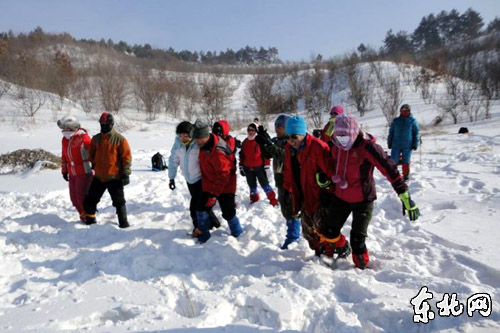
(112, 86)
(4, 88)
(450, 103)
(427, 90)
(84, 92)
(31, 101)
(390, 95)
(360, 87)
(173, 95)
(191, 96)
(262, 90)
(149, 89)
(318, 93)
(216, 89)
(61, 75)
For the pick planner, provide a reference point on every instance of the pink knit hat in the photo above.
(337, 110)
(346, 125)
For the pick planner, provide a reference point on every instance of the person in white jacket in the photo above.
(185, 153)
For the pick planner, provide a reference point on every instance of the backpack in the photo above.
(158, 162)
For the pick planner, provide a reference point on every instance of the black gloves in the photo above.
(171, 184)
(263, 137)
(242, 171)
(414, 148)
(125, 180)
(65, 176)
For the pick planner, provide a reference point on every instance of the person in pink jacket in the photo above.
(76, 168)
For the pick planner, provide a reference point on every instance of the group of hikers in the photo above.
(320, 179)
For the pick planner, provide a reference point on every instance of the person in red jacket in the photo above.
(221, 128)
(75, 164)
(215, 164)
(326, 134)
(253, 166)
(355, 154)
(305, 156)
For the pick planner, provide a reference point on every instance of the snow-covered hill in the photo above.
(57, 274)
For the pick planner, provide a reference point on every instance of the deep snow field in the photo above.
(57, 274)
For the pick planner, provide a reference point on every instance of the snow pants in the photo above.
(226, 202)
(78, 188)
(196, 192)
(339, 211)
(97, 189)
(286, 203)
(404, 152)
(254, 174)
(312, 222)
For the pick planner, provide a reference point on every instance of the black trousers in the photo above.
(97, 189)
(196, 192)
(286, 203)
(226, 203)
(339, 211)
(257, 173)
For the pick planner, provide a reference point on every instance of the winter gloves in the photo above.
(65, 176)
(125, 180)
(242, 171)
(263, 138)
(410, 206)
(322, 180)
(211, 201)
(171, 184)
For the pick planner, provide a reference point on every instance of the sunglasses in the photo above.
(250, 130)
(293, 136)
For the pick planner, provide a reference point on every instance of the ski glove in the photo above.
(65, 176)
(410, 206)
(322, 180)
(171, 184)
(263, 137)
(211, 201)
(126, 180)
(242, 171)
(414, 148)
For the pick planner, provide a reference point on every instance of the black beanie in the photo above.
(184, 127)
(405, 106)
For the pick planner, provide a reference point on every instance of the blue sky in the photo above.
(298, 28)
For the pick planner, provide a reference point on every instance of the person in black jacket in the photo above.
(273, 148)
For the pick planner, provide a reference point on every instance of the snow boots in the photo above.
(292, 232)
(339, 246)
(254, 197)
(121, 211)
(234, 226)
(360, 255)
(90, 219)
(361, 260)
(272, 198)
(406, 171)
(202, 232)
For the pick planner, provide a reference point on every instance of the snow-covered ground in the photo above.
(57, 274)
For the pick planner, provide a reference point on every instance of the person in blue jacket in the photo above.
(403, 138)
(185, 154)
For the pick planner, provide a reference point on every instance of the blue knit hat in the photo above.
(281, 120)
(296, 125)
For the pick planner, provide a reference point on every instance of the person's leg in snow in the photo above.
(115, 189)
(252, 184)
(264, 183)
(292, 222)
(227, 206)
(96, 190)
(361, 217)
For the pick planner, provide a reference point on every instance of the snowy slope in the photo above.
(57, 274)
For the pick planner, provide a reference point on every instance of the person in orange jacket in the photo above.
(253, 166)
(75, 164)
(111, 158)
